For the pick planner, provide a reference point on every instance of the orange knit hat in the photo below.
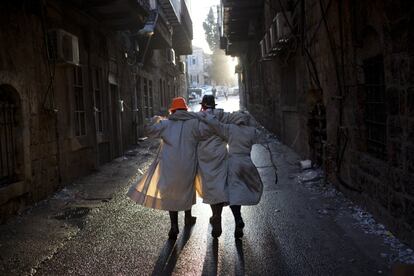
(178, 103)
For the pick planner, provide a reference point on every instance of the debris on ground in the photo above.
(309, 175)
(305, 164)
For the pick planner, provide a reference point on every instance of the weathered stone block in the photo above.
(410, 101)
(395, 179)
(383, 195)
(408, 213)
(394, 127)
(397, 206)
(395, 155)
(409, 153)
(393, 101)
(410, 130)
(408, 184)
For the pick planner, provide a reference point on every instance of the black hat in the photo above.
(208, 101)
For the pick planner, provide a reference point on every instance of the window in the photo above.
(162, 100)
(8, 137)
(137, 93)
(375, 109)
(194, 60)
(97, 93)
(198, 79)
(165, 94)
(80, 115)
(148, 98)
(169, 92)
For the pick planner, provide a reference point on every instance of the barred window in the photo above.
(78, 90)
(7, 140)
(148, 98)
(97, 92)
(375, 108)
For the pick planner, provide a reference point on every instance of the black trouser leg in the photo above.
(173, 217)
(172, 234)
(188, 213)
(238, 231)
(236, 210)
(189, 220)
(216, 219)
(217, 209)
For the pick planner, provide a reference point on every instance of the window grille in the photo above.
(148, 98)
(97, 89)
(80, 114)
(7, 143)
(162, 100)
(375, 108)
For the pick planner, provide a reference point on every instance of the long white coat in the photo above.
(169, 183)
(244, 184)
(212, 161)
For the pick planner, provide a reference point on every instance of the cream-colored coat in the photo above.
(244, 184)
(212, 161)
(169, 183)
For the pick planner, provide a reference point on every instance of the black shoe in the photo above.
(190, 221)
(238, 232)
(216, 223)
(173, 233)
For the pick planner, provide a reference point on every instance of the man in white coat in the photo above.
(212, 164)
(169, 181)
(244, 185)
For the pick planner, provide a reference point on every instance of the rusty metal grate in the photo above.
(7, 143)
(375, 108)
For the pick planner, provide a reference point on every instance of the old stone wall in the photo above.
(71, 119)
(352, 107)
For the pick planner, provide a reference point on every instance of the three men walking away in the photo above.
(209, 151)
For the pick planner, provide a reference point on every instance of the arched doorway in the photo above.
(11, 142)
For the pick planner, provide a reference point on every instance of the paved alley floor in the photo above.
(300, 227)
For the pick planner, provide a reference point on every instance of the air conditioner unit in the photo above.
(171, 56)
(63, 47)
(282, 26)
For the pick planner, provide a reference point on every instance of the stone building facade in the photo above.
(77, 81)
(198, 66)
(333, 79)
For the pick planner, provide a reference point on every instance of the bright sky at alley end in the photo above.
(199, 11)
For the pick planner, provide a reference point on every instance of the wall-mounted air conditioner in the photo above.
(282, 25)
(63, 47)
(171, 56)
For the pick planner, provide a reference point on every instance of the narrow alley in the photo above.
(117, 116)
(302, 226)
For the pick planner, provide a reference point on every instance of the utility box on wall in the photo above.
(63, 47)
